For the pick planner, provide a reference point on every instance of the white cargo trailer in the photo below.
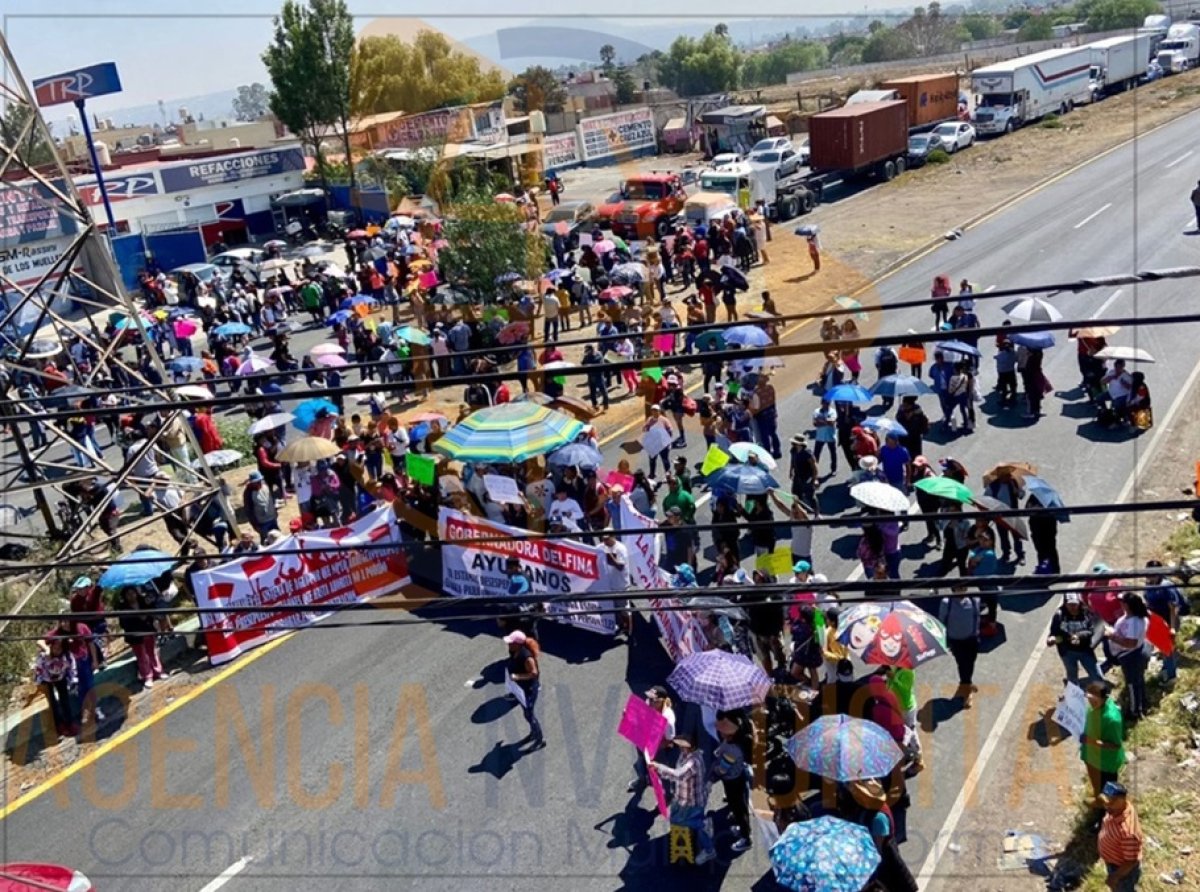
(1010, 94)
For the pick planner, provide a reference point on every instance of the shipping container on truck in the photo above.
(931, 98)
(1118, 63)
(863, 139)
(1018, 91)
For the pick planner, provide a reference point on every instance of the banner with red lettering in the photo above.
(552, 566)
(316, 578)
(682, 633)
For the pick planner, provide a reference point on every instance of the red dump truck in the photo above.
(931, 98)
(863, 139)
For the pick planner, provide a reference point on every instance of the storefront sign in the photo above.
(77, 85)
(560, 150)
(232, 168)
(119, 189)
(554, 567)
(618, 133)
(25, 265)
(315, 579)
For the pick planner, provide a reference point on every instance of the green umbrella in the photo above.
(655, 374)
(619, 242)
(414, 336)
(945, 488)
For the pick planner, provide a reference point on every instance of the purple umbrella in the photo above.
(719, 680)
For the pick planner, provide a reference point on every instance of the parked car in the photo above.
(579, 216)
(802, 151)
(725, 158)
(247, 259)
(785, 160)
(954, 135)
(771, 144)
(919, 147)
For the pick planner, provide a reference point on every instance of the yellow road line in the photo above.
(129, 733)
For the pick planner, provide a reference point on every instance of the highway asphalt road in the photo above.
(385, 758)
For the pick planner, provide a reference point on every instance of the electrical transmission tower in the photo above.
(61, 290)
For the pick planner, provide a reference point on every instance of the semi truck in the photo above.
(1016, 92)
(1118, 63)
(785, 197)
(931, 98)
(860, 139)
(1180, 49)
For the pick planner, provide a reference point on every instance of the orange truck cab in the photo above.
(652, 201)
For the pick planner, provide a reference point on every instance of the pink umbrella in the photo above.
(604, 246)
(323, 349)
(616, 292)
(184, 328)
(253, 364)
(330, 360)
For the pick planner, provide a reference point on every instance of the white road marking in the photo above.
(942, 840)
(1092, 216)
(1104, 306)
(1182, 157)
(228, 874)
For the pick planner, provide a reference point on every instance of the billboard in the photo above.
(232, 168)
(77, 85)
(28, 214)
(119, 188)
(560, 150)
(444, 125)
(627, 131)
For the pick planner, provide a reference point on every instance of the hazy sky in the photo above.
(163, 55)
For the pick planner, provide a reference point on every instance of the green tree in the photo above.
(537, 89)
(391, 75)
(980, 26)
(1112, 15)
(887, 45)
(774, 65)
(19, 131)
(251, 103)
(486, 240)
(845, 49)
(608, 58)
(711, 64)
(1036, 27)
(623, 80)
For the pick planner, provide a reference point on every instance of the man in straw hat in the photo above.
(691, 793)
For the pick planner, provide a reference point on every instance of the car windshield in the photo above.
(918, 142)
(946, 129)
(765, 157)
(764, 145)
(644, 190)
(615, 198)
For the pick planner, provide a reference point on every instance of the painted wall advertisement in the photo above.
(232, 168)
(553, 567)
(27, 216)
(560, 150)
(315, 580)
(627, 131)
(434, 128)
(25, 265)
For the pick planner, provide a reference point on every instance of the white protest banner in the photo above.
(317, 577)
(1071, 712)
(502, 489)
(681, 632)
(655, 440)
(513, 688)
(553, 567)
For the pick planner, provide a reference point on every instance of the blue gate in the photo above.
(130, 253)
(176, 247)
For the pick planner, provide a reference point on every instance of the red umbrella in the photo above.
(615, 292)
(513, 333)
(27, 877)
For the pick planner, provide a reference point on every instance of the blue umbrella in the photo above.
(186, 364)
(580, 455)
(885, 426)
(844, 749)
(848, 393)
(232, 329)
(826, 854)
(505, 278)
(554, 275)
(710, 340)
(957, 347)
(306, 413)
(747, 480)
(747, 336)
(1043, 491)
(357, 300)
(338, 318)
(901, 385)
(1034, 340)
(135, 569)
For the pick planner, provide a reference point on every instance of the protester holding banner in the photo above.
(657, 699)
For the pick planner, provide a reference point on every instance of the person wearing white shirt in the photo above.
(1126, 645)
(1120, 384)
(658, 700)
(565, 510)
(551, 306)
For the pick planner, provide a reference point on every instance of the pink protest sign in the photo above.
(642, 724)
(664, 343)
(660, 795)
(616, 478)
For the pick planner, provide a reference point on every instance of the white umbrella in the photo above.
(326, 349)
(269, 266)
(218, 459)
(195, 392)
(881, 496)
(556, 365)
(743, 451)
(1129, 354)
(253, 364)
(271, 422)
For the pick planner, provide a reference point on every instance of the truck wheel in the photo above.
(808, 202)
(1008, 126)
(661, 228)
(901, 166)
(889, 170)
(1063, 109)
(790, 208)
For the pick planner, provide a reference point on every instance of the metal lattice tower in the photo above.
(61, 284)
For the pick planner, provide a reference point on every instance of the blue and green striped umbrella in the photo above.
(510, 432)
